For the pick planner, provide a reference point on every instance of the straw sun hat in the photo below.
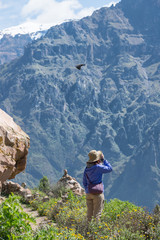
(94, 156)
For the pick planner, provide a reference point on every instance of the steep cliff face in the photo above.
(111, 104)
(12, 47)
(144, 17)
(14, 40)
(14, 144)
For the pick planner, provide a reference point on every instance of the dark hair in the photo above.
(96, 162)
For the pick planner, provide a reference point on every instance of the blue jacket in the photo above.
(94, 174)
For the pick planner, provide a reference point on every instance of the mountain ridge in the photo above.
(26, 28)
(112, 104)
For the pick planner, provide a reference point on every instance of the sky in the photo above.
(16, 12)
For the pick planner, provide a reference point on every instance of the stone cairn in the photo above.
(70, 183)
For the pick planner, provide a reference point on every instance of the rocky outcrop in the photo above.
(14, 144)
(9, 187)
(70, 183)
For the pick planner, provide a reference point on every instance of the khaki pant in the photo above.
(95, 204)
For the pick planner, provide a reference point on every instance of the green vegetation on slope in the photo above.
(120, 220)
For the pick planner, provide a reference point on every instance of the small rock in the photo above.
(23, 185)
(45, 199)
(50, 194)
(36, 195)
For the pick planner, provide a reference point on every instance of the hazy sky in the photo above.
(15, 12)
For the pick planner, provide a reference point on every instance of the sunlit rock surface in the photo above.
(14, 144)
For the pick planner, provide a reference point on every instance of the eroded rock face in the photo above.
(14, 144)
(69, 182)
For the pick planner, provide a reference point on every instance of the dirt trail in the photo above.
(40, 221)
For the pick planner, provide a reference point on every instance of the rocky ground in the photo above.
(40, 221)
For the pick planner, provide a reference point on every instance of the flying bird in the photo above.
(79, 66)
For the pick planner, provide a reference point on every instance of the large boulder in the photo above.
(14, 145)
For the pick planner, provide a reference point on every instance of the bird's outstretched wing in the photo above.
(80, 65)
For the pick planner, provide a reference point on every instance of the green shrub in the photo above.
(44, 185)
(72, 212)
(123, 220)
(48, 209)
(38, 199)
(55, 233)
(58, 190)
(120, 220)
(14, 222)
(115, 207)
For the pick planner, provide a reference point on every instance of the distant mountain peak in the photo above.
(33, 29)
